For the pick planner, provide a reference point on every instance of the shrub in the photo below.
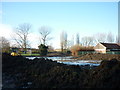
(43, 50)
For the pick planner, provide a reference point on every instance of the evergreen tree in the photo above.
(43, 49)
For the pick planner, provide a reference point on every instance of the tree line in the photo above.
(21, 38)
(87, 40)
(23, 30)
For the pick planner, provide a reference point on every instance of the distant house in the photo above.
(104, 47)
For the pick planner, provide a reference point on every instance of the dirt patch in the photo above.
(19, 72)
(105, 76)
(99, 57)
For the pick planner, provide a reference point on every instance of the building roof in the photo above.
(111, 45)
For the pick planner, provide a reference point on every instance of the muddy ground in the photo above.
(97, 56)
(19, 72)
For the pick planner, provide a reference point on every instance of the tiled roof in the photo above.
(111, 45)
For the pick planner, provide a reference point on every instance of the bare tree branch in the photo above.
(5, 44)
(100, 37)
(22, 32)
(88, 41)
(77, 39)
(110, 37)
(44, 33)
(63, 41)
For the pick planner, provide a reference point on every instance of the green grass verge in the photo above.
(30, 54)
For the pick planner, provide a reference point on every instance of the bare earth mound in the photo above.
(99, 57)
(19, 72)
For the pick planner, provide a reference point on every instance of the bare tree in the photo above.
(5, 44)
(100, 37)
(22, 32)
(117, 39)
(44, 34)
(87, 41)
(63, 41)
(69, 44)
(71, 41)
(110, 37)
(77, 39)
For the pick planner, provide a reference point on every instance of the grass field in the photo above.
(30, 54)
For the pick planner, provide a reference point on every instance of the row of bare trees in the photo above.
(99, 37)
(21, 35)
(23, 30)
(103, 37)
(87, 40)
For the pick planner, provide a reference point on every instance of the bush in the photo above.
(43, 50)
